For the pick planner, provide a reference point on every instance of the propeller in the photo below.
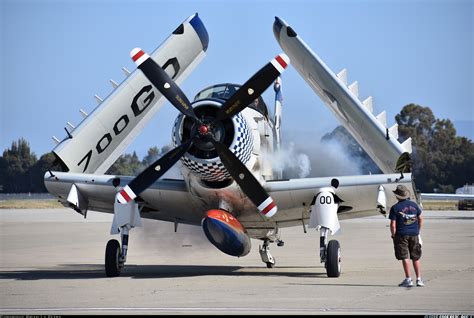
(253, 88)
(244, 96)
(152, 173)
(160, 79)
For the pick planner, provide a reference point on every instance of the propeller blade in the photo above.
(158, 77)
(247, 182)
(148, 176)
(254, 87)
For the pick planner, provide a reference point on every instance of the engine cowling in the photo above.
(202, 158)
(226, 233)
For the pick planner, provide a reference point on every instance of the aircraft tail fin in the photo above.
(278, 117)
(278, 109)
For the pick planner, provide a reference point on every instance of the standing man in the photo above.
(405, 225)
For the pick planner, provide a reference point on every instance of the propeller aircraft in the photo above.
(223, 138)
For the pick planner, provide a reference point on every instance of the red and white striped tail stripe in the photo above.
(125, 195)
(268, 207)
(280, 62)
(138, 56)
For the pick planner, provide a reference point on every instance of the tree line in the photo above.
(22, 172)
(441, 160)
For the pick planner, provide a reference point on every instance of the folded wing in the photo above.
(371, 132)
(96, 143)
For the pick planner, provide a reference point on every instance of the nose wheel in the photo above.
(267, 258)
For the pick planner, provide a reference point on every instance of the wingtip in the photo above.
(277, 25)
(201, 31)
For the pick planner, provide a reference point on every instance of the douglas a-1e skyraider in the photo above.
(223, 139)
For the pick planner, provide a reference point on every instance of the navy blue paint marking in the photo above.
(201, 31)
(277, 25)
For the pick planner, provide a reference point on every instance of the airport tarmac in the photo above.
(51, 263)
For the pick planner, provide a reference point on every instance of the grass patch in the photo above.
(440, 205)
(30, 204)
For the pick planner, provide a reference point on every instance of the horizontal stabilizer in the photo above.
(394, 131)
(354, 88)
(342, 75)
(368, 104)
(382, 118)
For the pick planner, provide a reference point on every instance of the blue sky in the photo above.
(57, 54)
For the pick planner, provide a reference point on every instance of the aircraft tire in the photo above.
(333, 259)
(270, 264)
(112, 256)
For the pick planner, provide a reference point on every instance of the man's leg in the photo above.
(407, 282)
(417, 267)
(415, 254)
(406, 267)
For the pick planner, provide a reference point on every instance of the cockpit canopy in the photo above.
(225, 91)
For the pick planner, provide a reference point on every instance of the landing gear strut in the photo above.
(267, 258)
(126, 217)
(330, 254)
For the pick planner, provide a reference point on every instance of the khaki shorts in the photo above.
(407, 246)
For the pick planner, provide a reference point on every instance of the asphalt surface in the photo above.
(51, 262)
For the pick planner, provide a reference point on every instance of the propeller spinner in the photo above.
(205, 131)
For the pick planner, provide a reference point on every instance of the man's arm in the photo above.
(420, 222)
(393, 227)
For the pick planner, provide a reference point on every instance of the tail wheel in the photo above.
(333, 259)
(112, 259)
(270, 264)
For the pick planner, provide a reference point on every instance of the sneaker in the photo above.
(419, 282)
(407, 282)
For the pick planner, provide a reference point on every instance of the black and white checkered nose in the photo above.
(212, 169)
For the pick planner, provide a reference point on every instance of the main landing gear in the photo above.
(330, 254)
(126, 217)
(115, 256)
